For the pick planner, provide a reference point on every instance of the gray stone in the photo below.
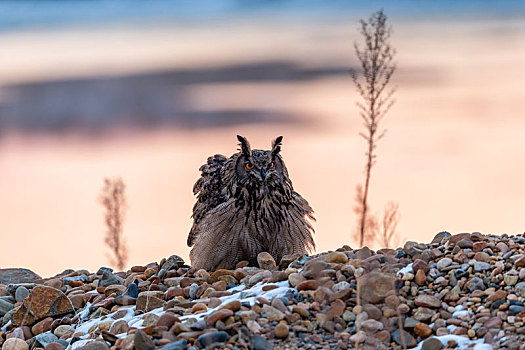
(444, 263)
(515, 309)
(259, 343)
(439, 237)
(46, 338)
(520, 289)
(475, 284)
(401, 337)
(410, 322)
(432, 344)
(193, 290)
(208, 339)
(481, 266)
(15, 276)
(176, 345)
(5, 307)
(108, 279)
(21, 293)
(174, 262)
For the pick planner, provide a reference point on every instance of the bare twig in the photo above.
(114, 202)
(376, 57)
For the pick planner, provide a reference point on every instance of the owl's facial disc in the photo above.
(260, 166)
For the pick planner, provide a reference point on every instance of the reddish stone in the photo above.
(420, 265)
(106, 303)
(42, 302)
(422, 329)
(232, 305)
(219, 315)
(173, 292)
(220, 286)
(308, 285)
(138, 269)
(268, 287)
(479, 246)
(336, 309)
(168, 319)
(42, 326)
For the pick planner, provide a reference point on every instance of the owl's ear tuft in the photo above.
(276, 145)
(245, 146)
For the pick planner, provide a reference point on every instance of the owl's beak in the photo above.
(263, 174)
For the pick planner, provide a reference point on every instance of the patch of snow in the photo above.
(4, 328)
(243, 295)
(405, 270)
(246, 295)
(463, 342)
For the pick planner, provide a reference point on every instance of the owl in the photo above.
(245, 205)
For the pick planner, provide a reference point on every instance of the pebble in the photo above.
(281, 331)
(15, 344)
(266, 261)
(213, 337)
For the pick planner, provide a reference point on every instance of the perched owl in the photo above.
(246, 204)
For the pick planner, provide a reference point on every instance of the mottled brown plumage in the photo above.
(246, 204)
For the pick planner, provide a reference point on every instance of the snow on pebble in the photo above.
(244, 295)
(405, 270)
(463, 342)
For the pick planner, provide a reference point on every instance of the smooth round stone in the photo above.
(55, 346)
(15, 344)
(176, 345)
(336, 258)
(199, 307)
(281, 331)
(63, 330)
(372, 326)
(481, 266)
(432, 344)
(119, 327)
(444, 263)
(193, 290)
(515, 309)
(213, 337)
(481, 256)
(266, 261)
(21, 293)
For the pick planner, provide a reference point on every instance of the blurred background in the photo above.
(147, 90)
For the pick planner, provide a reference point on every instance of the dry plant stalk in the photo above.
(388, 234)
(114, 202)
(377, 64)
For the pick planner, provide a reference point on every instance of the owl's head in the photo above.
(258, 166)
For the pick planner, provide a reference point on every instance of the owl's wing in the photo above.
(208, 190)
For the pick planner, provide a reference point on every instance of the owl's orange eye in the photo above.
(271, 165)
(249, 166)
